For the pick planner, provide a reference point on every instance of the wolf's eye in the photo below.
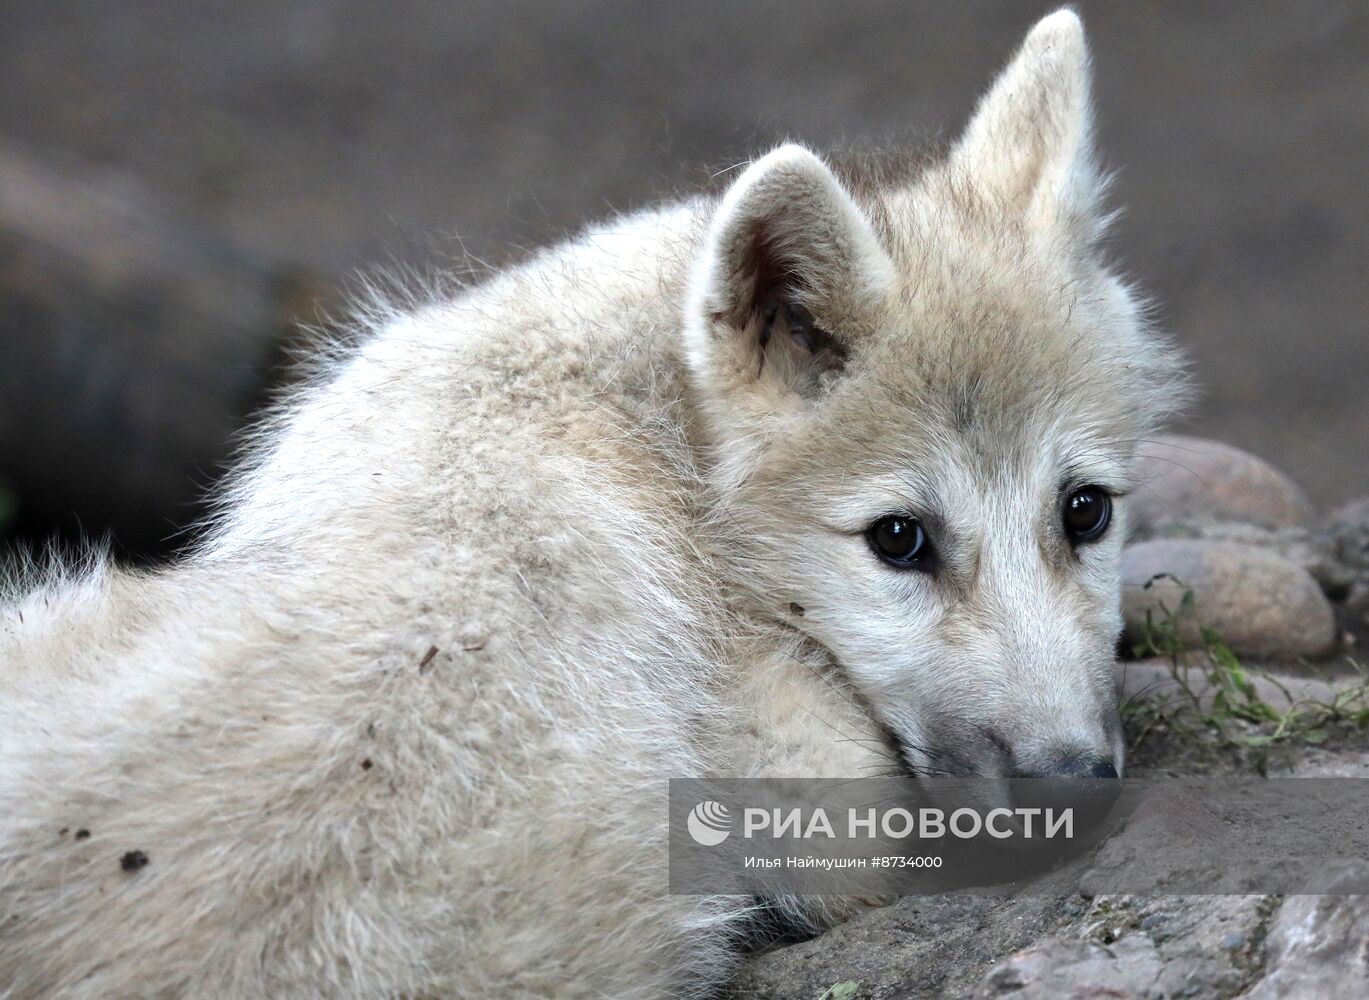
(1087, 513)
(900, 542)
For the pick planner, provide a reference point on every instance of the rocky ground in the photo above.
(1247, 617)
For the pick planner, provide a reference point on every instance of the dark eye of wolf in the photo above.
(1087, 513)
(900, 541)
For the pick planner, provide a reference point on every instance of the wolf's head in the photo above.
(924, 393)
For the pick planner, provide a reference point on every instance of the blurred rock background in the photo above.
(181, 182)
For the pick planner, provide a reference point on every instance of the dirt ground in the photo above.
(335, 135)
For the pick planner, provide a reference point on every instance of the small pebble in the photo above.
(1232, 941)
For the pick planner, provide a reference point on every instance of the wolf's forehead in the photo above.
(948, 418)
(999, 381)
(1001, 342)
(954, 424)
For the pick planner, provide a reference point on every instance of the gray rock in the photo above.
(921, 947)
(1318, 947)
(1189, 478)
(1260, 603)
(1314, 551)
(1135, 947)
(1199, 952)
(1357, 601)
(1348, 539)
(1349, 529)
(1060, 967)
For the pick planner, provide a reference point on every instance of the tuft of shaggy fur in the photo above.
(400, 726)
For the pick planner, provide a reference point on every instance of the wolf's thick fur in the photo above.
(401, 726)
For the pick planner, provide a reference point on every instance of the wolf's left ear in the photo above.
(788, 258)
(1029, 144)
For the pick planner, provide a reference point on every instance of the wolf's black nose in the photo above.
(1080, 765)
(1101, 769)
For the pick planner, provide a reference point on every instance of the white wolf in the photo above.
(820, 476)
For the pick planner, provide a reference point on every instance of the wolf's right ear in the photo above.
(789, 256)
